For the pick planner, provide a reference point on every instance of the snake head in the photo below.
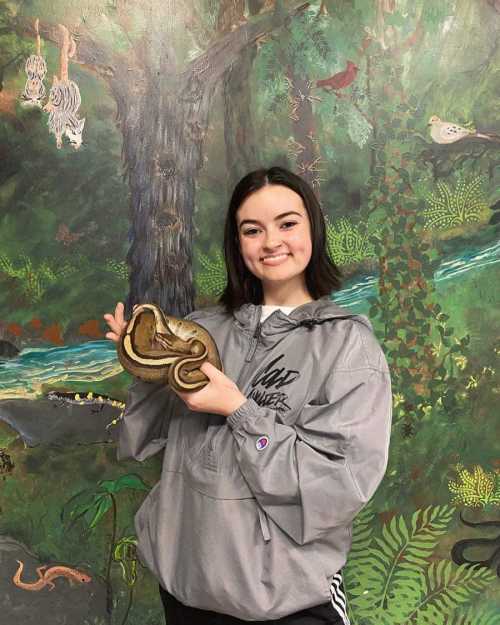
(163, 340)
(172, 343)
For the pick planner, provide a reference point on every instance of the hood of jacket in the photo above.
(308, 314)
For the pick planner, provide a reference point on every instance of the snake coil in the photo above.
(159, 348)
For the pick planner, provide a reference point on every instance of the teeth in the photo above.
(279, 256)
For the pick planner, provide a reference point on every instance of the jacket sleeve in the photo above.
(148, 410)
(144, 426)
(320, 472)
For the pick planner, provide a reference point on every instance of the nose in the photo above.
(272, 241)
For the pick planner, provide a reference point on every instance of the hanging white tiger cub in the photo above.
(36, 68)
(64, 98)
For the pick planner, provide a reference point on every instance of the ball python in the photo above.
(159, 348)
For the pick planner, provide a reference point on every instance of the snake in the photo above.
(458, 549)
(156, 347)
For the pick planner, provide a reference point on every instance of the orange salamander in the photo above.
(45, 577)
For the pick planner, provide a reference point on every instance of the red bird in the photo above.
(341, 79)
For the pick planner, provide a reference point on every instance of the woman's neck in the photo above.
(290, 293)
(291, 300)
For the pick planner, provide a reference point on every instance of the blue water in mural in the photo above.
(354, 294)
(96, 360)
(24, 375)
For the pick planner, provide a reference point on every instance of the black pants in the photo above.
(177, 613)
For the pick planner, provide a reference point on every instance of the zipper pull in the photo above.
(254, 342)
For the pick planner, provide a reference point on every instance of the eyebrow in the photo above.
(256, 221)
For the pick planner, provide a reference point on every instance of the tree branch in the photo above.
(89, 53)
(446, 158)
(207, 68)
(350, 98)
(212, 64)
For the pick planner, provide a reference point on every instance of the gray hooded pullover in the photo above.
(253, 514)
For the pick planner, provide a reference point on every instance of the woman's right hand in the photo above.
(116, 323)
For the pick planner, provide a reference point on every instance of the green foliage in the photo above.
(93, 503)
(464, 204)
(349, 243)
(445, 587)
(362, 537)
(306, 47)
(125, 553)
(130, 480)
(358, 127)
(275, 96)
(424, 378)
(118, 268)
(34, 281)
(13, 50)
(477, 616)
(393, 578)
(211, 280)
(476, 488)
(307, 44)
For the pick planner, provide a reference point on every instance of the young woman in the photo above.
(266, 467)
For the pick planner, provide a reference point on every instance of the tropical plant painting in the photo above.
(124, 126)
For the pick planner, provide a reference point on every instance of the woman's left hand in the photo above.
(219, 396)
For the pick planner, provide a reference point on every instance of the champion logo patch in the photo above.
(262, 442)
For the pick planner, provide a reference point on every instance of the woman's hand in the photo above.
(116, 323)
(219, 396)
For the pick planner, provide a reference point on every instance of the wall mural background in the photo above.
(114, 180)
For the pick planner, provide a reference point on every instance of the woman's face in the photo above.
(273, 221)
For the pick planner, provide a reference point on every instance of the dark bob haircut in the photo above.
(322, 275)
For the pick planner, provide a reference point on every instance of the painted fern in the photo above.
(348, 242)
(362, 532)
(389, 580)
(411, 548)
(446, 586)
(357, 574)
(476, 488)
(448, 207)
(33, 281)
(475, 616)
(212, 279)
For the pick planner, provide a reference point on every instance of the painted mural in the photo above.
(124, 125)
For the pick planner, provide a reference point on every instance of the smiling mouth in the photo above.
(275, 255)
(277, 258)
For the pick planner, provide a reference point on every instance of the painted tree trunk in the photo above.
(304, 129)
(239, 136)
(162, 158)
